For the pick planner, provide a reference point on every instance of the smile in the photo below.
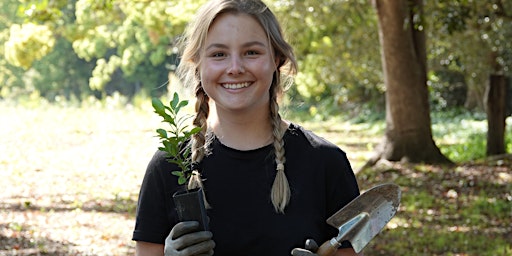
(236, 86)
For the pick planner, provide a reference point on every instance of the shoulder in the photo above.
(309, 138)
(301, 143)
(160, 168)
(159, 159)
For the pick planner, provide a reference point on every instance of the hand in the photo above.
(311, 248)
(185, 240)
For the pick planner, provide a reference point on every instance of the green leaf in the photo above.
(162, 133)
(170, 148)
(170, 120)
(194, 130)
(182, 180)
(186, 153)
(175, 100)
(180, 105)
(158, 106)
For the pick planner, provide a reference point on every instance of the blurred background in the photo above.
(77, 127)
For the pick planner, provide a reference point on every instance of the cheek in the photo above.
(266, 69)
(206, 74)
(209, 69)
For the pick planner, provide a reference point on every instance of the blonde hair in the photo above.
(193, 41)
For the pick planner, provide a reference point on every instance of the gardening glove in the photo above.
(186, 240)
(311, 248)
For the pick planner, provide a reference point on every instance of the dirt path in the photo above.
(70, 178)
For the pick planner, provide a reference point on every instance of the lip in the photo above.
(237, 85)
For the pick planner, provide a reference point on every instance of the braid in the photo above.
(202, 110)
(199, 143)
(280, 194)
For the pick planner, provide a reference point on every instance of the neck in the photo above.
(242, 131)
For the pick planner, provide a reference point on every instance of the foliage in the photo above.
(447, 88)
(130, 47)
(338, 57)
(132, 43)
(175, 141)
(10, 76)
(462, 135)
(128, 36)
(27, 43)
(65, 79)
(472, 38)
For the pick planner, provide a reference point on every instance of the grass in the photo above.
(70, 178)
(464, 210)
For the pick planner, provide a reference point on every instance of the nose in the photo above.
(236, 66)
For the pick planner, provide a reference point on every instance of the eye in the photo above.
(252, 53)
(218, 54)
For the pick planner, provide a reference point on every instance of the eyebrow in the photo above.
(248, 44)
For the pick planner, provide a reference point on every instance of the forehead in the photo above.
(234, 26)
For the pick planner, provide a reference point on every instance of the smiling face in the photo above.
(237, 64)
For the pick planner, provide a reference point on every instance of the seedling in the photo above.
(175, 139)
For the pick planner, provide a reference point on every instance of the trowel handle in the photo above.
(328, 248)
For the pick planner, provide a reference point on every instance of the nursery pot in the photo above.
(190, 206)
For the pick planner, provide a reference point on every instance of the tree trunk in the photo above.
(408, 134)
(496, 94)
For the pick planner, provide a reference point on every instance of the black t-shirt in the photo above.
(237, 186)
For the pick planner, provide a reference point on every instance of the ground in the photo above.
(70, 179)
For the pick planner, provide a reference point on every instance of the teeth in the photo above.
(236, 86)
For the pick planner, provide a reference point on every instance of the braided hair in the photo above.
(193, 41)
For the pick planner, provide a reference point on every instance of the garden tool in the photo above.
(363, 218)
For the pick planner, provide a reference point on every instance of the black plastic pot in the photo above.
(190, 206)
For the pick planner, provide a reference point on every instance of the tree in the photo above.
(10, 76)
(473, 38)
(130, 47)
(408, 133)
(335, 46)
(130, 43)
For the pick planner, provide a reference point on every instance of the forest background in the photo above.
(77, 77)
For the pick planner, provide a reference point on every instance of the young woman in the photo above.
(270, 184)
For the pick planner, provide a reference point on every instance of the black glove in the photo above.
(311, 248)
(186, 240)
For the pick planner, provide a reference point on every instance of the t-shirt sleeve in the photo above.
(152, 222)
(341, 183)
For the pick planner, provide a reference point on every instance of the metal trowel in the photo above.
(363, 218)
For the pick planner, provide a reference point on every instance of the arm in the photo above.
(148, 249)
